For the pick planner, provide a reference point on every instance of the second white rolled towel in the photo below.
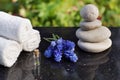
(32, 42)
(9, 51)
(14, 27)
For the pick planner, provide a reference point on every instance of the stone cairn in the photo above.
(93, 37)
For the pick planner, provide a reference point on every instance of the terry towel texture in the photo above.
(13, 27)
(16, 34)
(9, 51)
(32, 41)
(20, 30)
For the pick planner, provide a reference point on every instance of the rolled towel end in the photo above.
(9, 52)
(33, 41)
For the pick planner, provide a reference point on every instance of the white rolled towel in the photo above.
(32, 42)
(9, 51)
(14, 27)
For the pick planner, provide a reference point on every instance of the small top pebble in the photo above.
(89, 12)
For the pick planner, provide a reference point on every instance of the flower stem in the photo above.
(54, 38)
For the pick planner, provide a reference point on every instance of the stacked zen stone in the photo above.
(93, 37)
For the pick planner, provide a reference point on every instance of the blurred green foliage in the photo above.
(62, 13)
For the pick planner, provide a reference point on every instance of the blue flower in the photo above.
(48, 53)
(61, 47)
(74, 58)
(59, 44)
(58, 59)
(57, 55)
(68, 53)
(59, 41)
(53, 43)
(71, 55)
(69, 45)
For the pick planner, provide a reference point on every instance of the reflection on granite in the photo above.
(36, 70)
(84, 69)
(88, 64)
(22, 70)
(101, 66)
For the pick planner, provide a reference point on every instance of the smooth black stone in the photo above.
(90, 66)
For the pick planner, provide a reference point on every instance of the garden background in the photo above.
(61, 13)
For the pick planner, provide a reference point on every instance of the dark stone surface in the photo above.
(100, 66)
(21, 70)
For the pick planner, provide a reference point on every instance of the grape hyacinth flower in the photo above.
(59, 48)
(48, 52)
(57, 55)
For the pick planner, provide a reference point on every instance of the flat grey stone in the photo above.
(90, 25)
(95, 35)
(95, 47)
(89, 12)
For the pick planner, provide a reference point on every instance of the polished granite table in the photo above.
(90, 66)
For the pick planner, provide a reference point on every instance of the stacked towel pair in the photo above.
(16, 34)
